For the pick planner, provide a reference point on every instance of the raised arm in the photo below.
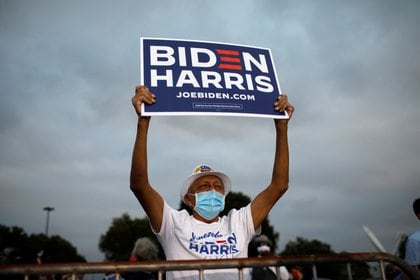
(148, 197)
(263, 202)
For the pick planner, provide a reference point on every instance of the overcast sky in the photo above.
(351, 68)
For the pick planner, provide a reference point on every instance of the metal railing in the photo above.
(74, 270)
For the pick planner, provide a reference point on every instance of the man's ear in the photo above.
(189, 201)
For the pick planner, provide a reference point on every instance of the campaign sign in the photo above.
(208, 78)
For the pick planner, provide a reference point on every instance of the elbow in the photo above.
(139, 184)
(132, 183)
(136, 183)
(132, 187)
(283, 188)
(136, 190)
(286, 187)
(280, 188)
(275, 192)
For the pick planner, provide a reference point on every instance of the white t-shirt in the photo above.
(185, 238)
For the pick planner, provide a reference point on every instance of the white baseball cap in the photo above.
(205, 170)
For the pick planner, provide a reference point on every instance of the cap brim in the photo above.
(225, 180)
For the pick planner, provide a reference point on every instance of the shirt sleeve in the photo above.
(167, 224)
(242, 219)
(412, 252)
(169, 217)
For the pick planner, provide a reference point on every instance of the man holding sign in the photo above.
(205, 235)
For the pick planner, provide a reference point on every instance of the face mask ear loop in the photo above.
(192, 194)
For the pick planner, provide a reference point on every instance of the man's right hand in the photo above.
(142, 95)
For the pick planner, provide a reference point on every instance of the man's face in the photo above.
(203, 184)
(207, 183)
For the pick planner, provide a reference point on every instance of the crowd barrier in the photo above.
(76, 271)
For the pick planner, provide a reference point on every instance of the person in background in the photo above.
(296, 272)
(144, 250)
(412, 247)
(263, 245)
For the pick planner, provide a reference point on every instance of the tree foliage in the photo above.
(117, 243)
(18, 247)
(302, 246)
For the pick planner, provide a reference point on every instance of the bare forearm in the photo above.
(264, 201)
(280, 176)
(262, 204)
(139, 173)
(150, 200)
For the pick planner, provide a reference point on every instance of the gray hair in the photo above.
(145, 249)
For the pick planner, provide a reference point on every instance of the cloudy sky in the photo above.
(351, 68)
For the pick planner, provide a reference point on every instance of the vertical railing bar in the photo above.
(314, 273)
(201, 274)
(278, 272)
(241, 273)
(160, 275)
(26, 276)
(381, 266)
(350, 277)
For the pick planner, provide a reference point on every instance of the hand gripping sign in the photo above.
(208, 78)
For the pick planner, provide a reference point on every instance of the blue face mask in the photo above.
(209, 204)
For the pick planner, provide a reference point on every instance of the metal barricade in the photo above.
(74, 270)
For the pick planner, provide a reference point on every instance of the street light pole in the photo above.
(48, 209)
